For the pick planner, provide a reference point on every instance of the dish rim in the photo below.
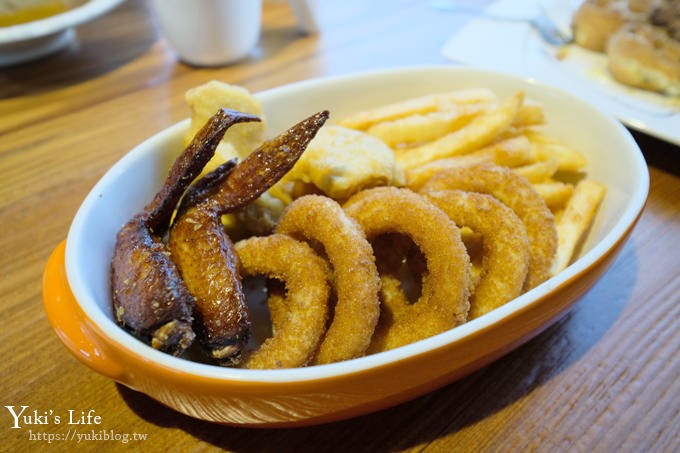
(132, 345)
(58, 22)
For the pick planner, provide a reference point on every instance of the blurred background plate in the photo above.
(27, 41)
(515, 47)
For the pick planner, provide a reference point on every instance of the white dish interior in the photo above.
(614, 160)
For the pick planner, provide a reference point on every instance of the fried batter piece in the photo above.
(149, 297)
(340, 162)
(204, 253)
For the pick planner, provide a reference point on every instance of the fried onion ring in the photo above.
(299, 321)
(517, 193)
(505, 245)
(443, 303)
(319, 218)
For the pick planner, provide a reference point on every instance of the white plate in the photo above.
(25, 42)
(515, 47)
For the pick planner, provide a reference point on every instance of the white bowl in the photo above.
(78, 302)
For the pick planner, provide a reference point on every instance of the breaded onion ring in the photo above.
(443, 303)
(319, 218)
(299, 324)
(505, 245)
(517, 193)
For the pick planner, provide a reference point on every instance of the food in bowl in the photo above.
(380, 198)
(77, 289)
(158, 289)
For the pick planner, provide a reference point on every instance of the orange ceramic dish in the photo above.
(76, 291)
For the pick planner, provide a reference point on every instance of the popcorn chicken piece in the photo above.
(341, 161)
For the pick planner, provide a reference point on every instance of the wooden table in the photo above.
(605, 378)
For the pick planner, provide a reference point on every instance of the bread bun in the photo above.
(667, 15)
(596, 20)
(645, 56)
(642, 6)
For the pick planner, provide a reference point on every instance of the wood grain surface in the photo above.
(605, 378)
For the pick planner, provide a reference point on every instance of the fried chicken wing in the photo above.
(205, 254)
(149, 297)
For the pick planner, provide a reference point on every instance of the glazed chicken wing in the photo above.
(149, 297)
(204, 253)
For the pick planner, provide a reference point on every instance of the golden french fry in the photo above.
(530, 114)
(568, 159)
(538, 171)
(481, 131)
(555, 193)
(546, 148)
(425, 127)
(509, 153)
(423, 104)
(538, 137)
(575, 221)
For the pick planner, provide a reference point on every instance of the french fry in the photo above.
(425, 127)
(575, 221)
(546, 148)
(555, 193)
(538, 171)
(481, 131)
(424, 104)
(568, 159)
(530, 114)
(509, 153)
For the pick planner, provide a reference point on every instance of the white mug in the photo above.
(210, 32)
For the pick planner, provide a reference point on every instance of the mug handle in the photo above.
(305, 14)
(69, 322)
